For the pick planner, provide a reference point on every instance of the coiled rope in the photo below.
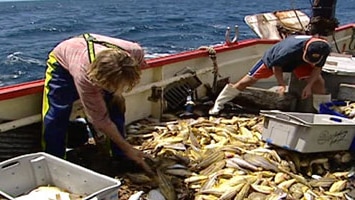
(213, 55)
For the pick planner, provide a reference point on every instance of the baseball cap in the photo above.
(316, 52)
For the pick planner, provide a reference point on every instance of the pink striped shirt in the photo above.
(72, 54)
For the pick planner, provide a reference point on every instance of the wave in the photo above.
(19, 57)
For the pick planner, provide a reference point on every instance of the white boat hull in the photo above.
(22, 103)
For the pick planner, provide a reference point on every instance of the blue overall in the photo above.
(58, 98)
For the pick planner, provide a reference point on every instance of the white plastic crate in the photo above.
(307, 132)
(337, 70)
(22, 174)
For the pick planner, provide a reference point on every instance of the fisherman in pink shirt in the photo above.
(95, 69)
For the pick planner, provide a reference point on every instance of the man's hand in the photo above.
(138, 157)
(307, 92)
(281, 90)
(278, 73)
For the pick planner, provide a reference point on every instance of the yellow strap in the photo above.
(90, 45)
(90, 41)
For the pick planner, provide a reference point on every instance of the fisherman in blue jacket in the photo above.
(302, 54)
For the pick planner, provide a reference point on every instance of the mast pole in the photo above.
(323, 21)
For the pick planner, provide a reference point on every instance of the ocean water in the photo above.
(30, 29)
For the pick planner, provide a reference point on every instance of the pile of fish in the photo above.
(348, 109)
(219, 158)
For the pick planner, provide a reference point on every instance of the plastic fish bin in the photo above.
(307, 132)
(325, 108)
(336, 71)
(22, 174)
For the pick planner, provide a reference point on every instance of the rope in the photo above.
(298, 18)
(335, 43)
(285, 30)
(213, 55)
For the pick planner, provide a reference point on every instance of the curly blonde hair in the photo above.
(113, 69)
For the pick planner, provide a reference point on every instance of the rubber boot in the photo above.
(319, 99)
(227, 94)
